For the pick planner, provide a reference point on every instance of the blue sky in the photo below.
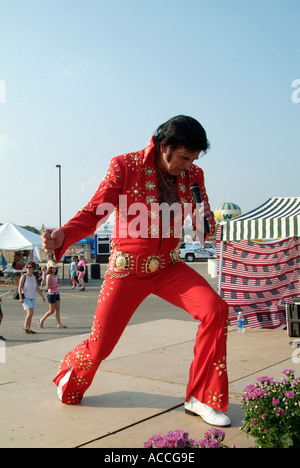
(83, 81)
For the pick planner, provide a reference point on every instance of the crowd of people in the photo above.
(49, 281)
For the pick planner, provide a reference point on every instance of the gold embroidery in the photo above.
(135, 159)
(149, 171)
(153, 230)
(83, 361)
(73, 398)
(79, 381)
(221, 366)
(150, 199)
(215, 399)
(135, 192)
(150, 185)
(96, 330)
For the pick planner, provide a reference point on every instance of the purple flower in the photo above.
(265, 379)
(193, 443)
(250, 388)
(215, 433)
(181, 443)
(253, 392)
(156, 441)
(275, 402)
(178, 434)
(288, 372)
(280, 412)
(161, 442)
(209, 443)
(177, 438)
(180, 439)
(289, 394)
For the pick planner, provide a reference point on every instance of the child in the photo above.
(73, 272)
(43, 279)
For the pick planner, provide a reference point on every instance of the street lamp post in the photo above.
(59, 182)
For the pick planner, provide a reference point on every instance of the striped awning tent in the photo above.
(278, 217)
(259, 262)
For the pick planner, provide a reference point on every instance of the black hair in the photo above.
(182, 130)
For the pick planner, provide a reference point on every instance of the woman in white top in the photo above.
(28, 287)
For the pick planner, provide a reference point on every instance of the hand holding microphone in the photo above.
(195, 191)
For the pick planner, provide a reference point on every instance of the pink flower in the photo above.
(288, 372)
(209, 443)
(254, 392)
(265, 379)
(275, 402)
(215, 433)
(289, 394)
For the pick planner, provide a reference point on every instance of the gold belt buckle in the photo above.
(152, 264)
(142, 265)
(121, 261)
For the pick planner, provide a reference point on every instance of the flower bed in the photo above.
(271, 417)
(272, 411)
(180, 439)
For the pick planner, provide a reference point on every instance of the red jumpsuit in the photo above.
(144, 262)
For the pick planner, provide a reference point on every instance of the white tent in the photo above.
(14, 237)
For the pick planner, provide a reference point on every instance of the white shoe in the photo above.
(207, 413)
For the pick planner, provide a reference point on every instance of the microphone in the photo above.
(195, 191)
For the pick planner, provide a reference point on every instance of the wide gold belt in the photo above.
(141, 265)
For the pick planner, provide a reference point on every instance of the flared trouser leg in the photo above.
(208, 380)
(119, 298)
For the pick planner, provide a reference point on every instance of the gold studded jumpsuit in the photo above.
(144, 262)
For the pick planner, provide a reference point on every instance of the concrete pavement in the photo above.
(139, 390)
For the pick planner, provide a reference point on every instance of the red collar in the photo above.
(149, 151)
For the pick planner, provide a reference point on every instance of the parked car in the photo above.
(191, 251)
(68, 258)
